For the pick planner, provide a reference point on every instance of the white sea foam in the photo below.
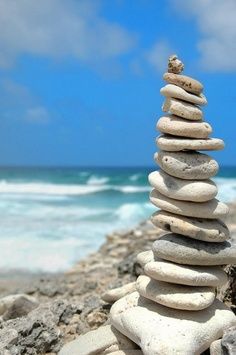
(97, 180)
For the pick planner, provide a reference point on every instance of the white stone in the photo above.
(97, 342)
(177, 144)
(185, 82)
(184, 190)
(183, 250)
(211, 209)
(113, 295)
(161, 270)
(7, 301)
(182, 109)
(144, 257)
(162, 330)
(187, 165)
(201, 229)
(184, 128)
(191, 298)
(174, 91)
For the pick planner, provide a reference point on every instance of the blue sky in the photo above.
(80, 80)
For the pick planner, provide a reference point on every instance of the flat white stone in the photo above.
(184, 190)
(201, 229)
(182, 109)
(162, 330)
(113, 295)
(174, 91)
(161, 270)
(183, 250)
(187, 165)
(192, 298)
(211, 209)
(97, 341)
(185, 82)
(184, 128)
(176, 144)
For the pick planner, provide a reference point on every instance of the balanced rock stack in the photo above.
(174, 310)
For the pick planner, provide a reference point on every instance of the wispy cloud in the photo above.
(58, 29)
(216, 23)
(158, 55)
(18, 103)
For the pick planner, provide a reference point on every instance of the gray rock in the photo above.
(184, 128)
(211, 209)
(182, 109)
(228, 342)
(174, 91)
(183, 250)
(179, 332)
(185, 82)
(20, 307)
(177, 144)
(190, 165)
(202, 229)
(184, 190)
(192, 298)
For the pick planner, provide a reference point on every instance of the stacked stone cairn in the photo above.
(174, 309)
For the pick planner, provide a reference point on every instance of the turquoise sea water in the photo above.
(52, 217)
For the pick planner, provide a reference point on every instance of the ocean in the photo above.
(52, 217)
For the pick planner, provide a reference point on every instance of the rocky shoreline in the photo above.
(51, 310)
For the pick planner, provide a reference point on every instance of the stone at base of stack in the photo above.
(174, 310)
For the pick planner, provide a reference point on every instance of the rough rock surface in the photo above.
(187, 166)
(175, 144)
(184, 190)
(174, 91)
(182, 109)
(208, 230)
(139, 319)
(185, 82)
(177, 126)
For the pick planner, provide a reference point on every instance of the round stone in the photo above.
(182, 109)
(191, 298)
(176, 92)
(176, 144)
(163, 330)
(161, 270)
(187, 165)
(202, 229)
(113, 295)
(184, 128)
(185, 82)
(211, 209)
(183, 250)
(185, 190)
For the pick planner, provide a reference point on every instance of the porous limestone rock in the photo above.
(184, 190)
(177, 126)
(211, 209)
(176, 144)
(208, 230)
(185, 82)
(162, 330)
(177, 92)
(189, 166)
(175, 65)
(144, 257)
(192, 298)
(183, 250)
(182, 109)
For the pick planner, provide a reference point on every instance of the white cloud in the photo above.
(158, 55)
(216, 22)
(18, 103)
(57, 29)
